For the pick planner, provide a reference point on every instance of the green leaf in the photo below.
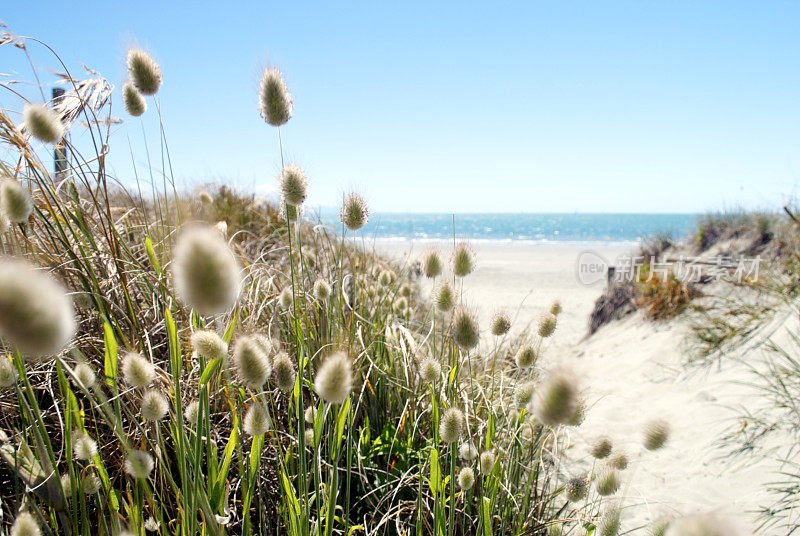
(151, 254)
(490, 429)
(436, 472)
(210, 369)
(110, 354)
(344, 412)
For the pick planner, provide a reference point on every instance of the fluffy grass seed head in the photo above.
(139, 464)
(400, 305)
(386, 277)
(501, 324)
(256, 420)
(36, 313)
(144, 72)
(274, 99)
(191, 412)
(283, 372)
(154, 406)
(286, 299)
(609, 522)
(5, 223)
(656, 434)
(322, 289)
(334, 379)
(309, 436)
(43, 123)
(354, 213)
(465, 329)
(8, 372)
(310, 415)
(206, 272)
(209, 345)
(524, 392)
(444, 297)
(576, 489)
(579, 415)
(90, 483)
(619, 461)
(526, 356)
(25, 525)
(289, 212)
(15, 201)
(293, 185)
(206, 199)
(463, 260)
(466, 478)
(701, 525)
(85, 375)
(66, 485)
(547, 325)
(430, 370)
(555, 308)
(451, 426)
(432, 264)
(137, 371)
(134, 102)
(658, 527)
(607, 482)
(151, 525)
(601, 447)
(467, 451)
(557, 398)
(405, 291)
(252, 364)
(83, 446)
(487, 462)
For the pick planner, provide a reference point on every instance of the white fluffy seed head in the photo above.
(618, 461)
(293, 185)
(283, 372)
(209, 345)
(432, 263)
(36, 313)
(139, 464)
(154, 406)
(134, 102)
(576, 489)
(430, 370)
(322, 289)
(451, 426)
(309, 436)
(524, 393)
(25, 525)
(8, 373)
(579, 414)
(310, 415)
(557, 398)
(66, 485)
(467, 451)
(15, 201)
(275, 101)
(487, 462)
(465, 329)
(191, 412)
(285, 299)
(555, 308)
(137, 371)
(547, 325)
(252, 363)
(85, 375)
(144, 72)
(387, 277)
(83, 446)
(601, 447)
(607, 482)
(444, 297)
(256, 420)
(90, 483)
(656, 434)
(609, 522)
(501, 324)
(334, 379)
(354, 214)
(43, 123)
(463, 260)
(206, 199)
(206, 272)
(151, 525)
(526, 356)
(466, 478)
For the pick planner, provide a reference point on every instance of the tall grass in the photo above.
(373, 461)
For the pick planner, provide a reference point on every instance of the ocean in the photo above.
(522, 229)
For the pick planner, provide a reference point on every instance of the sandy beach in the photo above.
(631, 370)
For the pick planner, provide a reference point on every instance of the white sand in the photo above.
(632, 370)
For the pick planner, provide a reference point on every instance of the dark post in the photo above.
(60, 151)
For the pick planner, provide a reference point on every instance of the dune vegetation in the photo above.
(211, 363)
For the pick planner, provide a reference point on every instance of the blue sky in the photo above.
(457, 106)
